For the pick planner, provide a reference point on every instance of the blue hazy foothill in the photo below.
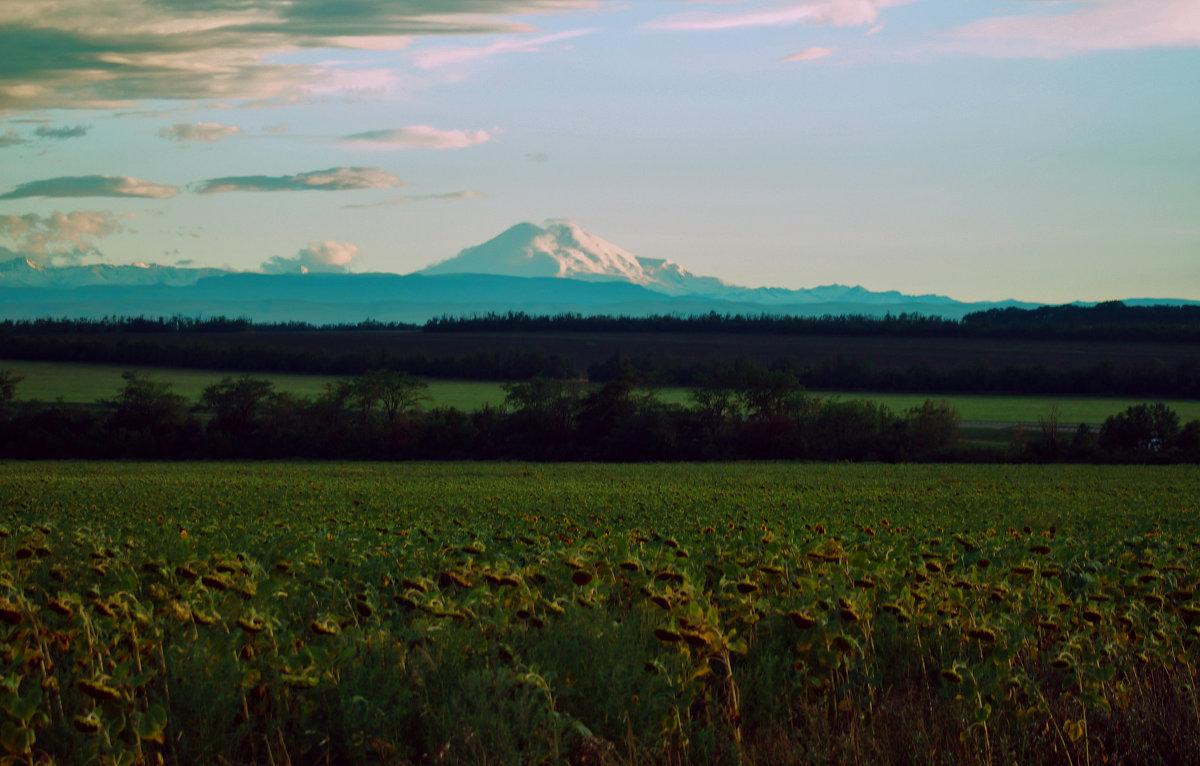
(551, 269)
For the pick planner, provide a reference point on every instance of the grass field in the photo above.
(510, 613)
(85, 383)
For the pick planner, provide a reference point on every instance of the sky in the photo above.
(1041, 150)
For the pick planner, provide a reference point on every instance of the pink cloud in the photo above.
(838, 13)
(419, 137)
(809, 54)
(440, 57)
(1098, 25)
(64, 237)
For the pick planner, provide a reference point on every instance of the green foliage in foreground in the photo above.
(510, 613)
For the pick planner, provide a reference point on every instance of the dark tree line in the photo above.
(177, 342)
(733, 415)
(1112, 320)
(380, 415)
(1147, 379)
(841, 373)
(182, 326)
(1108, 321)
(903, 325)
(261, 355)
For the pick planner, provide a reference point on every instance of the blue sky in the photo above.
(1029, 149)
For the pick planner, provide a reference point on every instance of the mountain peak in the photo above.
(19, 263)
(561, 248)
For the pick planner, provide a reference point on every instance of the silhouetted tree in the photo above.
(716, 407)
(543, 414)
(1189, 440)
(144, 404)
(8, 391)
(1141, 429)
(930, 427)
(396, 392)
(773, 395)
(238, 403)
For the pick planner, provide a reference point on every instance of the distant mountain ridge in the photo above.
(551, 269)
(563, 250)
(23, 272)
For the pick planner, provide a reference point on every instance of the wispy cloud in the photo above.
(317, 257)
(458, 195)
(77, 131)
(441, 57)
(59, 237)
(809, 54)
(839, 13)
(105, 53)
(418, 137)
(92, 186)
(1064, 29)
(10, 137)
(333, 179)
(208, 132)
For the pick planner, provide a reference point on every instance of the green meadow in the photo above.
(86, 383)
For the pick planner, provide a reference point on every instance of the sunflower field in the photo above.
(275, 613)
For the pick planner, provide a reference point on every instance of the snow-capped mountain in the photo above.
(562, 249)
(554, 268)
(22, 272)
(558, 249)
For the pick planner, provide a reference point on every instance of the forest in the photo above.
(747, 414)
(1106, 350)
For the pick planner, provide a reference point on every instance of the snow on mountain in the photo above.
(556, 249)
(23, 272)
(563, 249)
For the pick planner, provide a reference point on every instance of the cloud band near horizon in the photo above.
(59, 236)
